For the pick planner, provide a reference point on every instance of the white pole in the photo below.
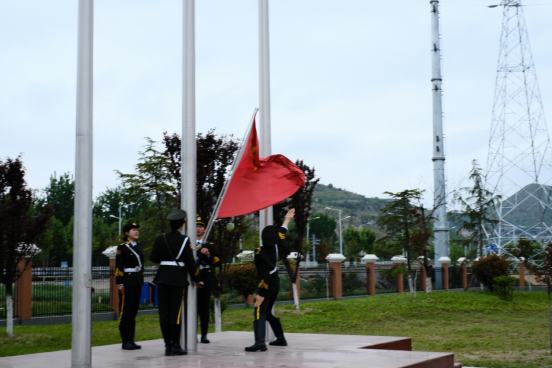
(120, 218)
(441, 224)
(266, 215)
(81, 344)
(340, 237)
(189, 152)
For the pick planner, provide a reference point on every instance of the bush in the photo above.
(351, 282)
(504, 287)
(243, 279)
(486, 269)
(317, 285)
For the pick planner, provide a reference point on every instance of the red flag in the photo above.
(259, 183)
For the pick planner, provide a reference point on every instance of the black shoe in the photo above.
(278, 342)
(278, 331)
(167, 350)
(128, 346)
(256, 347)
(135, 345)
(176, 350)
(204, 340)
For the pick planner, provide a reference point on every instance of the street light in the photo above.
(340, 232)
(120, 218)
(313, 250)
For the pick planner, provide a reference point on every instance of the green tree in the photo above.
(478, 208)
(398, 221)
(20, 227)
(324, 228)
(358, 240)
(60, 193)
(151, 182)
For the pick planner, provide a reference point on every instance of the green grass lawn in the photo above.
(478, 328)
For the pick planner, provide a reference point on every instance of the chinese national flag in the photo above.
(259, 183)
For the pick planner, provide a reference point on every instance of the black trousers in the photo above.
(171, 311)
(203, 301)
(264, 311)
(128, 309)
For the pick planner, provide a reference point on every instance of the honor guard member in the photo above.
(207, 260)
(129, 276)
(175, 256)
(268, 285)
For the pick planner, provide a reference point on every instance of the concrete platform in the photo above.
(226, 350)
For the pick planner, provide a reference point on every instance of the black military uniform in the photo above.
(206, 266)
(171, 281)
(268, 286)
(129, 273)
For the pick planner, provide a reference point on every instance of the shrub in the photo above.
(317, 285)
(504, 287)
(486, 269)
(351, 282)
(243, 279)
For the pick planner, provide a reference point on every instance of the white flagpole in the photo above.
(188, 337)
(81, 344)
(239, 156)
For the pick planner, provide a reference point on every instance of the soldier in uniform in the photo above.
(268, 285)
(175, 256)
(207, 260)
(129, 276)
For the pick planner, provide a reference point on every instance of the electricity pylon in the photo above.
(519, 165)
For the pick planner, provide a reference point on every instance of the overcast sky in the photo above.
(350, 83)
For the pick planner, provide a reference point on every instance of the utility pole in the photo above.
(441, 229)
(188, 336)
(81, 341)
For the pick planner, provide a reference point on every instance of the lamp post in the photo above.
(120, 218)
(313, 246)
(340, 232)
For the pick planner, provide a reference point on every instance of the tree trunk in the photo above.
(416, 280)
(410, 286)
(218, 315)
(429, 286)
(295, 295)
(9, 316)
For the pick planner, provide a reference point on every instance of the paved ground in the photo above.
(226, 350)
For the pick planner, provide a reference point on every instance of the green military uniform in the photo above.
(129, 273)
(268, 286)
(175, 256)
(206, 266)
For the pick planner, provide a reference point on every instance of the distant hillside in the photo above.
(361, 209)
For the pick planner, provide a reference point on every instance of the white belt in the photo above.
(135, 269)
(202, 267)
(274, 270)
(172, 263)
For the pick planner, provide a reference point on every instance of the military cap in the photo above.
(177, 215)
(130, 226)
(203, 221)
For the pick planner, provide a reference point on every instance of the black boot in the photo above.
(132, 332)
(166, 332)
(278, 332)
(176, 349)
(204, 322)
(123, 330)
(259, 327)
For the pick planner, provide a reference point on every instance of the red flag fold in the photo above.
(259, 183)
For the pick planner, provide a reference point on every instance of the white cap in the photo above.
(370, 258)
(398, 259)
(335, 258)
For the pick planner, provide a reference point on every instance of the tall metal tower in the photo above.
(519, 165)
(441, 229)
